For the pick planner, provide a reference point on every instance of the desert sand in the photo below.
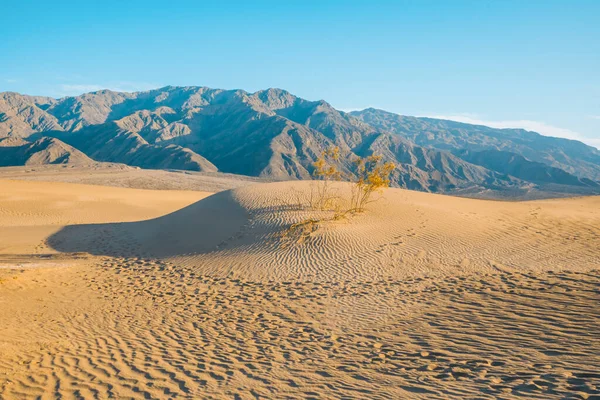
(120, 175)
(110, 292)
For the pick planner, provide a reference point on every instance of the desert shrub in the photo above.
(322, 195)
(372, 175)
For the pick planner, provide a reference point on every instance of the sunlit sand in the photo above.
(132, 293)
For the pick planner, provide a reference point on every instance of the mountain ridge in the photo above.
(571, 155)
(273, 133)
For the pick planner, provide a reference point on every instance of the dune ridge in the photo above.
(405, 233)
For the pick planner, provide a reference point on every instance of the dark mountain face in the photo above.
(16, 151)
(108, 142)
(275, 134)
(518, 166)
(569, 155)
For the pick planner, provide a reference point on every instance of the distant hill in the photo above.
(272, 133)
(47, 150)
(572, 156)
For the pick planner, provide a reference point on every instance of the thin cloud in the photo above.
(11, 80)
(122, 86)
(594, 142)
(535, 126)
(348, 110)
(79, 89)
(128, 86)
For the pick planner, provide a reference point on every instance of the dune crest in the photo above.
(404, 233)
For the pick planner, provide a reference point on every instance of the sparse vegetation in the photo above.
(372, 175)
(322, 196)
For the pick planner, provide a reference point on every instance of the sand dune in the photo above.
(30, 212)
(164, 294)
(405, 233)
(120, 175)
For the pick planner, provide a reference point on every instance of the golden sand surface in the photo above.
(110, 292)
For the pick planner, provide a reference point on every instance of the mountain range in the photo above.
(274, 134)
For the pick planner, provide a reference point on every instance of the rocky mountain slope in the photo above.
(46, 150)
(272, 133)
(569, 155)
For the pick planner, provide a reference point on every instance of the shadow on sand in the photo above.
(195, 229)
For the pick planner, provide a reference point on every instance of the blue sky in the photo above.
(532, 64)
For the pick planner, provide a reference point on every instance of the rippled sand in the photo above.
(123, 293)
